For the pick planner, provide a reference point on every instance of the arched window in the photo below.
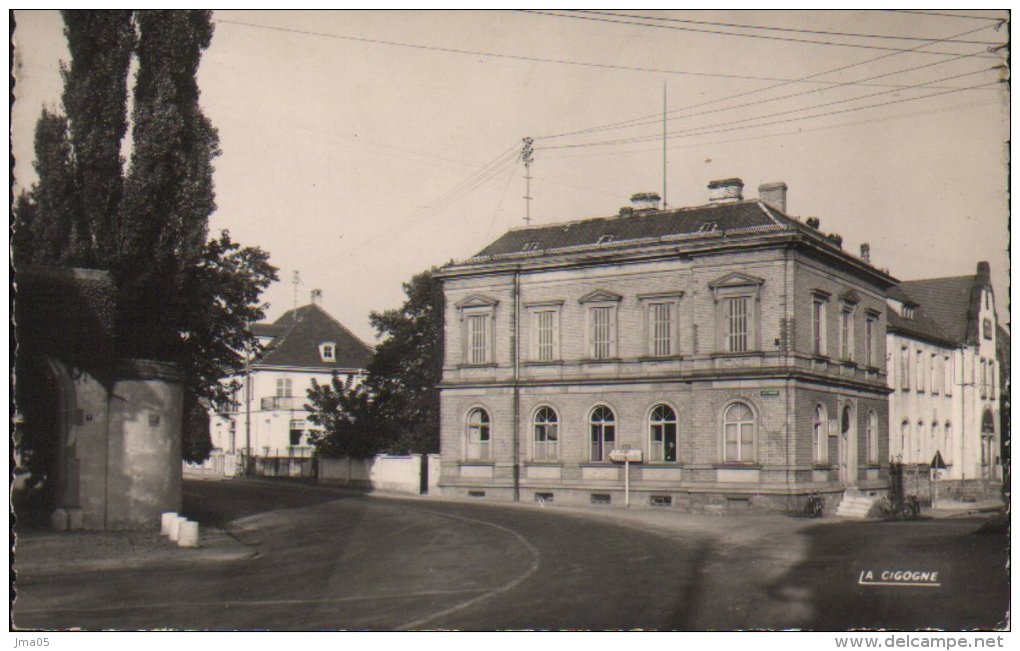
(603, 432)
(479, 434)
(988, 422)
(872, 437)
(546, 427)
(738, 433)
(820, 439)
(662, 445)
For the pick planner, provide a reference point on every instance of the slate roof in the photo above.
(920, 326)
(298, 335)
(707, 220)
(952, 303)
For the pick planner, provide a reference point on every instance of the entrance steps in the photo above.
(855, 505)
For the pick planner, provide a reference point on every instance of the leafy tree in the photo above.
(181, 297)
(396, 407)
(344, 413)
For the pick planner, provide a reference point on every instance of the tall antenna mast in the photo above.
(527, 156)
(665, 204)
(296, 280)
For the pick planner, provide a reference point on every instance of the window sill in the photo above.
(849, 363)
(476, 462)
(605, 360)
(821, 357)
(662, 358)
(597, 464)
(544, 463)
(664, 464)
(558, 362)
(820, 466)
(485, 365)
(730, 465)
(745, 353)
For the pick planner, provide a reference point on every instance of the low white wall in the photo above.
(395, 474)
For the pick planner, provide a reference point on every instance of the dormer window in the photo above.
(707, 227)
(605, 239)
(530, 246)
(327, 351)
(908, 311)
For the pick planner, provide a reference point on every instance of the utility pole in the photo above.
(527, 155)
(247, 410)
(665, 204)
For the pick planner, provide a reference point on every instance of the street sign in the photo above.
(621, 456)
(938, 463)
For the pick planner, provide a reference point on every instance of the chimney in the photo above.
(316, 297)
(814, 222)
(773, 195)
(866, 252)
(984, 271)
(645, 201)
(725, 191)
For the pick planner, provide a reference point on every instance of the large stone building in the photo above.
(741, 351)
(943, 369)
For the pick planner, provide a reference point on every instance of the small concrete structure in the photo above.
(114, 423)
(164, 522)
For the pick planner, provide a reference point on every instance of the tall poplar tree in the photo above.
(182, 297)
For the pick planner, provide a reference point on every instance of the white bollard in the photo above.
(175, 527)
(188, 534)
(164, 522)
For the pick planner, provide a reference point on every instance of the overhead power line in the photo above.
(736, 34)
(793, 30)
(796, 132)
(530, 59)
(656, 118)
(789, 82)
(942, 14)
(798, 119)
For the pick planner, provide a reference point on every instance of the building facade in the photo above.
(740, 351)
(268, 413)
(944, 372)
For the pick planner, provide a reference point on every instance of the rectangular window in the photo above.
(984, 391)
(544, 335)
(661, 329)
(991, 379)
(905, 368)
(818, 326)
(478, 338)
(283, 387)
(919, 370)
(846, 334)
(601, 332)
(936, 378)
(870, 328)
(737, 324)
(947, 367)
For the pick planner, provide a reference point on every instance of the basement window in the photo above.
(661, 500)
(544, 497)
(476, 493)
(600, 498)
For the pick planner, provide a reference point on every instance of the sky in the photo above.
(363, 147)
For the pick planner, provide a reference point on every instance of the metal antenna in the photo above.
(296, 280)
(665, 204)
(527, 155)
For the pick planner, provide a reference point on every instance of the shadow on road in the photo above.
(826, 587)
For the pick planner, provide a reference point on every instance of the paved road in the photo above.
(330, 561)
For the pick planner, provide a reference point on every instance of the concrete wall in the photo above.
(144, 470)
(394, 474)
(120, 454)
